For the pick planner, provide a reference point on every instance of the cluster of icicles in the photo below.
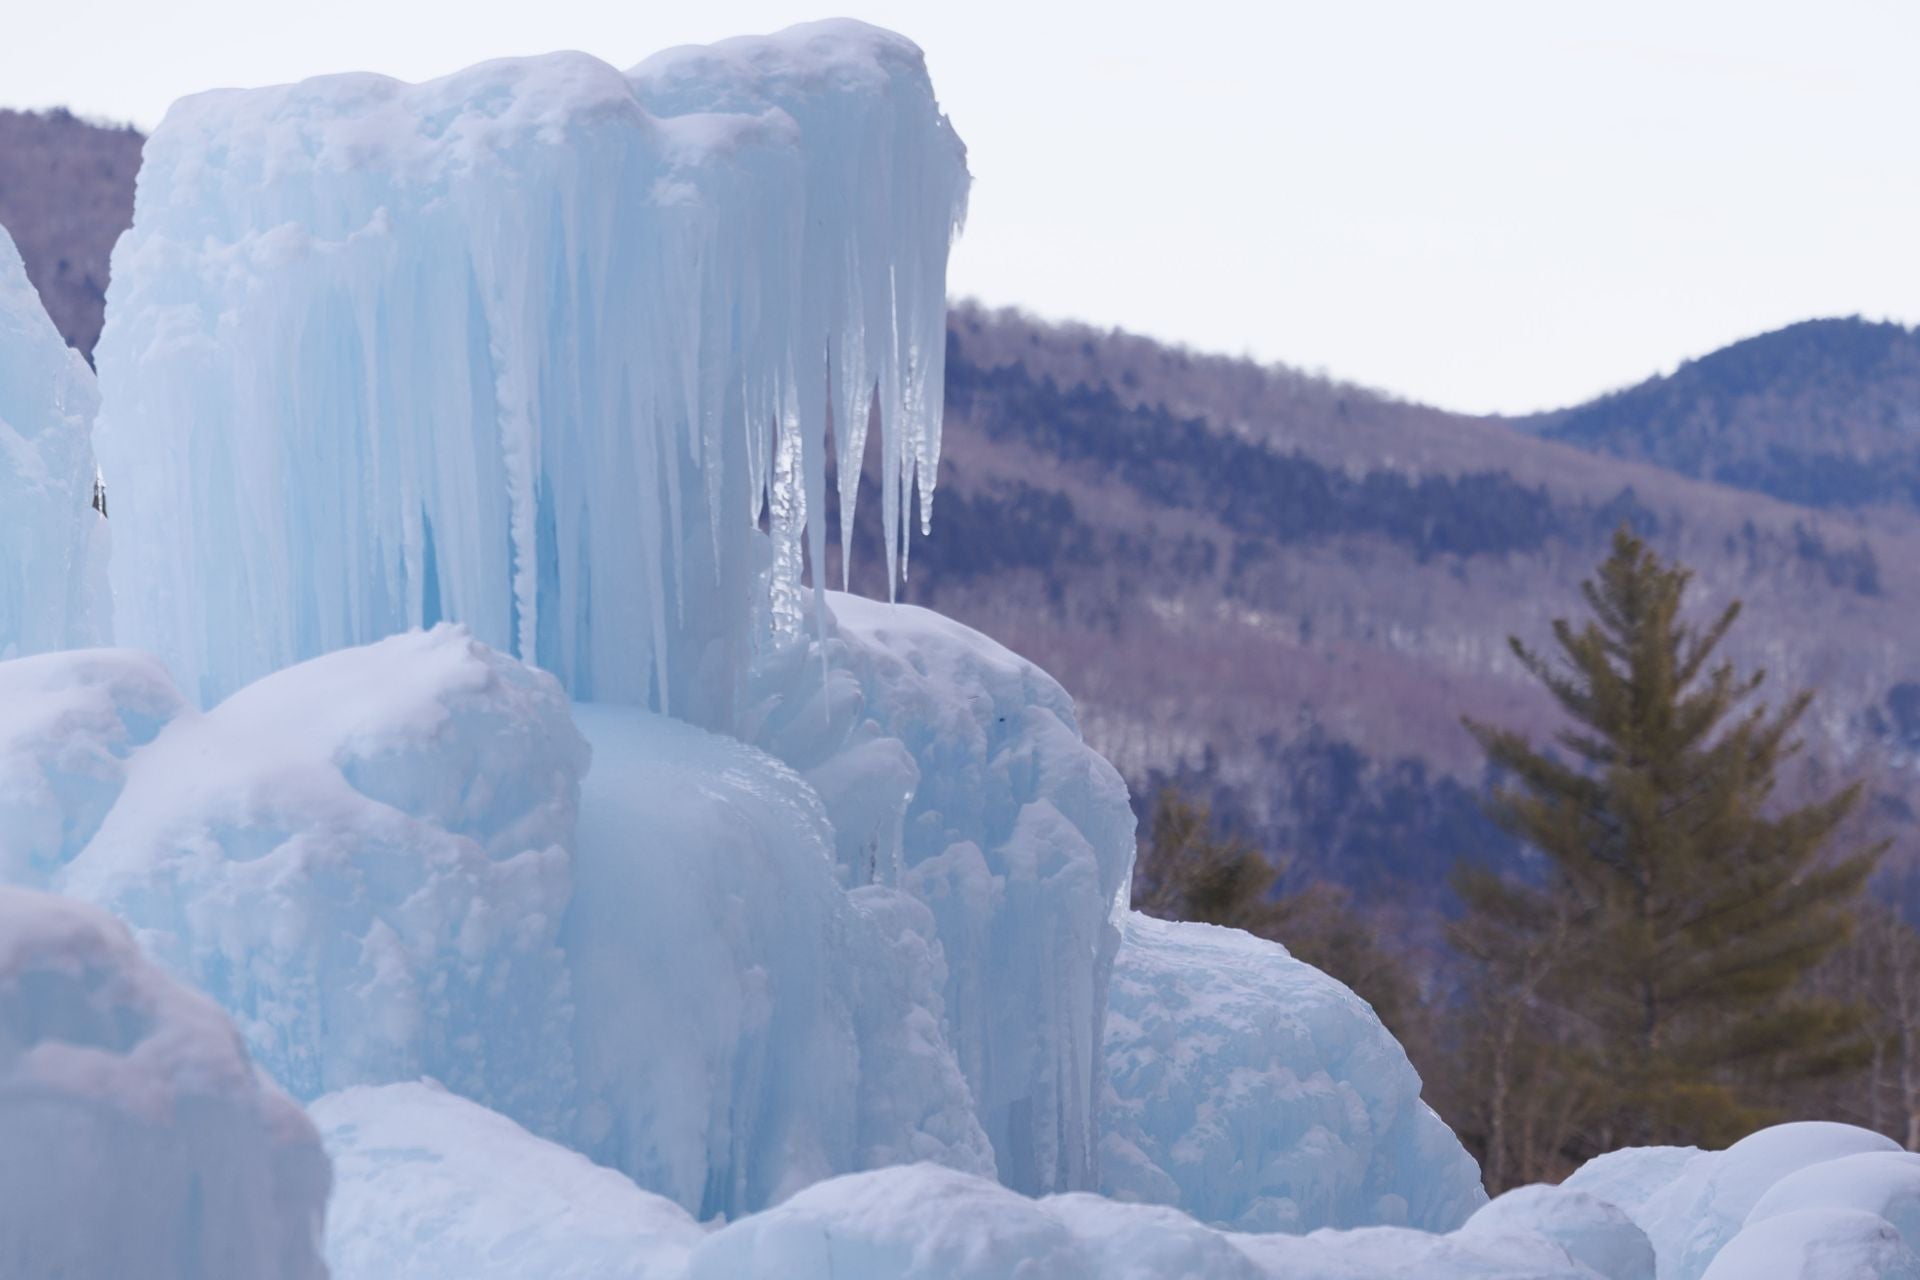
(543, 347)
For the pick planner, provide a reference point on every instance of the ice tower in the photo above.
(537, 347)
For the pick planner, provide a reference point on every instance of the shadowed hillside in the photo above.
(1825, 413)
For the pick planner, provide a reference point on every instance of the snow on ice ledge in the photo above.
(53, 546)
(136, 1138)
(530, 348)
(363, 858)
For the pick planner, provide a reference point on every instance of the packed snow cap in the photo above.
(534, 348)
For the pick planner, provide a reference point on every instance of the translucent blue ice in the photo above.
(53, 545)
(531, 348)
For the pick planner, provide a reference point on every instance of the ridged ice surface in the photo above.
(532, 348)
(744, 1025)
(954, 769)
(53, 549)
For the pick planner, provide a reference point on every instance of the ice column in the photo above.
(534, 347)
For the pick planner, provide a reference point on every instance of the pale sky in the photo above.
(1485, 205)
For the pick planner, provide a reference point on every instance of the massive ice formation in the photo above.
(53, 547)
(430, 1186)
(539, 349)
(744, 1025)
(954, 769)
(136, 1139)
(1255, 1092)
(364, 858)
(527, 348)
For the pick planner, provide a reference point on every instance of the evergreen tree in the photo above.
(1187, 870)
(1677, 911)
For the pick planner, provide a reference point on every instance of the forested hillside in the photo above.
(1285, 591)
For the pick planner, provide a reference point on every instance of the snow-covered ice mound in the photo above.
(53, 546)
(744, 1025)
(1817, 1244)
(136, 1138)
(1699, 1207)
(430, 1186)
(955, 769)
(363, 858)
(1256, 1092)
(509, 348)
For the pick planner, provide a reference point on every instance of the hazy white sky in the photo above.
(1488, 205)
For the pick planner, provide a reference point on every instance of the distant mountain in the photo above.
(1824, 413)
(1285, 591)
(1288, 590)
